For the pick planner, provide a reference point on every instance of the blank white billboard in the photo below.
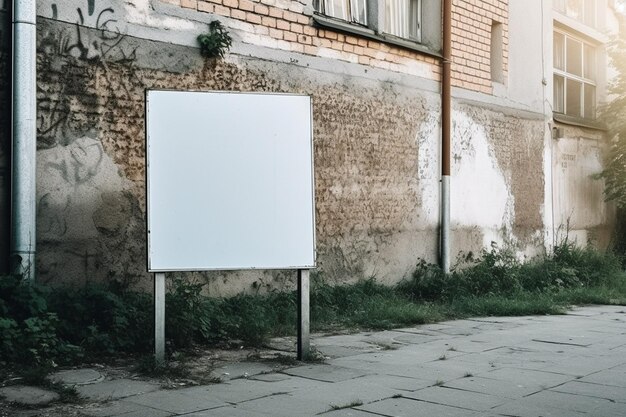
(229, 181)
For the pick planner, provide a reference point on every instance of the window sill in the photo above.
(343, 26)
(578, 121)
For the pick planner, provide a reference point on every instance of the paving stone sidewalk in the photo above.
(570, 365)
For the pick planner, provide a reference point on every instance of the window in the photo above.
(582, 10)
(354, 11)
(402, 18)
(399, 18)
(574, 76)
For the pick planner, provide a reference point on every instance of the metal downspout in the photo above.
(446, 125)
(24, 134)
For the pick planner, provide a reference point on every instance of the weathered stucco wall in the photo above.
(376, 148)
(580, 212)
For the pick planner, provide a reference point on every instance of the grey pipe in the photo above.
(24, 133)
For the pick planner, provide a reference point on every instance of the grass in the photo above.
(354, 403)
(96, 320)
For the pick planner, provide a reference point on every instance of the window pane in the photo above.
(590, 12)
(559, 51)
(336, 8)
(574, 9)
(589, 62)
(402, 18)
(395, 18)
(573, 95)
(559, 94)
(359, 11)
(590, 102)
(559, 5)
(574, 57)
(415, 16)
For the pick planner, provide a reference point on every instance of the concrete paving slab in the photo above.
(457, 398)
(241, 370)
(608, 392)
(234, 392)
(271, 377)
(118, 408)
(115, 389)
(504, 389)
(176, 402)
(570, 402)
(405, 407)
(84, 376)
(328, 373)
(344, 351)
(607, 377)
(346, 393)
(126, 409)
(27, 395)
(285, 405)
(527, 377)
(348, 412)
(231, 411)
(527, 408)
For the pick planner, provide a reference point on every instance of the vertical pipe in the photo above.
(445, 136)
(24, 133)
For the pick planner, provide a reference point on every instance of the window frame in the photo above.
(587, 6)
(561, 99)
(375, 22)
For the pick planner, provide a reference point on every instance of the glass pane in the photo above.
(574, 59)
(359, 11)
(559, 5)
(415, 15)
(589, 62)
(336, 8)
(590, 12)
(590, 102)
(574, 9)
(559, 51)
(559, 94)
(573, 96)
(402, 18)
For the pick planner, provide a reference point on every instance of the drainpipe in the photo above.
(446, 63)
(24, 134)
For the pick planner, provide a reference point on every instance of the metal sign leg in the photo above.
(304, 349)
(159, 317)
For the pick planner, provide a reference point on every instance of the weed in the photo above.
(468, 375)
(439, 382)
(354, 403)
(216, 42)
(442, 357)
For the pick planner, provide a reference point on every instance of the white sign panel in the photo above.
(230, 181)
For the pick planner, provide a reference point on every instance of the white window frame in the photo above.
(574, 77)
(583, 17)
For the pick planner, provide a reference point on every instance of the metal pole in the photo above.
(159, 318)
(304, 349)
(446, 126)
(24, 150)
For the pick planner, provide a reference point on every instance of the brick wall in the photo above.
(287, 25)
(471, 41)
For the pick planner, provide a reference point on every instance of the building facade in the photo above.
(527, 77)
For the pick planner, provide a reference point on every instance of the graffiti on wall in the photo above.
(71, 60)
